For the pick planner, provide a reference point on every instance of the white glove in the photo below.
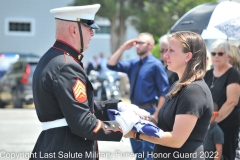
(123, 106)
(127, 120)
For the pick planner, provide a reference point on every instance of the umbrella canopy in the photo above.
(203, 19)
(231, 28)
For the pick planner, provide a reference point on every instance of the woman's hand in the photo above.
(149, 118)
(155, 116)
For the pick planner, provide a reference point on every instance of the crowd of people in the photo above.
(191, 94)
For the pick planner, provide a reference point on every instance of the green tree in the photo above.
(116, 11)
(158, 16)
(153, 16)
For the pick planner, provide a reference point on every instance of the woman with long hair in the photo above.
(188, 107)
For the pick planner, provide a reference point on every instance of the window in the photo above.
(103, 30)
(19, 27)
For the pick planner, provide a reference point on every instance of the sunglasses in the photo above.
(140, 43)
(219, 53)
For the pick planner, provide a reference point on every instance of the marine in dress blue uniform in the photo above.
(63, 98)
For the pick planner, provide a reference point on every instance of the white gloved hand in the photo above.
(123, 106)
(127, 120)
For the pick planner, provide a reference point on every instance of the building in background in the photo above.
(28, 27)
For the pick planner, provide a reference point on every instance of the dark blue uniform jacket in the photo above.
(61, 89)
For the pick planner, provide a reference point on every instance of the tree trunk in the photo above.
(122, 26)
(114, 36)
(118, 28)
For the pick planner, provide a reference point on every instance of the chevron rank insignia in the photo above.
(79, 91)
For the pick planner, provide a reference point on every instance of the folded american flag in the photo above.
(142, 126)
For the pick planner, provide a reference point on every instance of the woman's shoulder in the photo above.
(232, 75)
(196, 87)
(196, 84)
(233, 70)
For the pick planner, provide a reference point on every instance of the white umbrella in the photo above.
(224, 12)
(202, 19)
(231, 28)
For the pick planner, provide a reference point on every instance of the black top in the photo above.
(219, 91)
(194, 99)
(61, 89)
(214, 136)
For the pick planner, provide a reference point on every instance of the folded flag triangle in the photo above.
(142, 126)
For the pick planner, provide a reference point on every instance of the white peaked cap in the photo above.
(72, 13)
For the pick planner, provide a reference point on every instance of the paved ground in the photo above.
(19, 129)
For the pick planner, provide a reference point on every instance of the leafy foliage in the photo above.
(154, 16)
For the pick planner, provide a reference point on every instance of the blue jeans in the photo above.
(141, 147)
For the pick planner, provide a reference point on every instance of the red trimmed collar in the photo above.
(69, 49)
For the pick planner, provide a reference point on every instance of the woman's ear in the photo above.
(188, 57)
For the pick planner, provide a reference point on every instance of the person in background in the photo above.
(214, 139)
(63, 96)
(234, 60)
(103, 62)
(186, 113)
(93, 65)
(163, 42)
(147, 77)
(234, 57)
(209, 63)
(223, 81)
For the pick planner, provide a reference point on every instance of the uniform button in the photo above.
(119, 127)
(85, 139)
(113, 126)
(105, 126)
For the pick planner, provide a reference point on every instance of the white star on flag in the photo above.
(139, 126)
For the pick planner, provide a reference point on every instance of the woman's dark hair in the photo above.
(196, 66)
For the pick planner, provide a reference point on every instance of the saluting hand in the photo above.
(128, 44)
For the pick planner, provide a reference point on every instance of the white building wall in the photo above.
(37, 11)
(43, 35)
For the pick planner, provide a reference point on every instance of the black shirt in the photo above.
(194, 99)
(219, 93)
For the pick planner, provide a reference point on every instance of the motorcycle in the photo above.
(105, 84)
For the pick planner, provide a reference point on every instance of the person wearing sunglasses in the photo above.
(223, 81)
(148, 80)
(163, 42)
